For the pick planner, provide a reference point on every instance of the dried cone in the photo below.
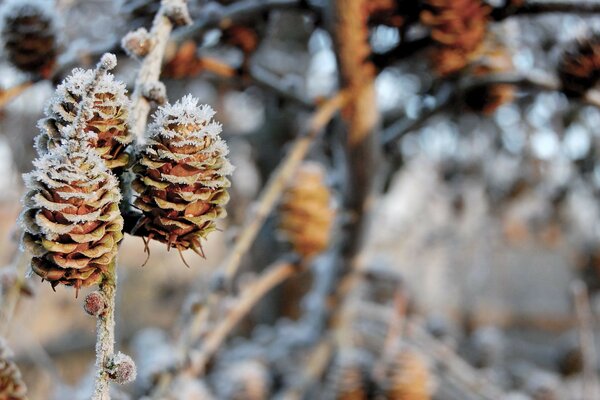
(306, 212)
(105, 122)
(488, 98)
(29, 36)
(407, 377)
(181, 175)
(12, 386)
(579, 69)
(458, 27)
(348, 377)
(71, 216)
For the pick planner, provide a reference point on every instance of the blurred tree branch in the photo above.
(545, 7)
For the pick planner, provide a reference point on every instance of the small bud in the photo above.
(177, 12)
(155, 91)
(137, 43)
(94, 304)
(121, 369)
(107, 62)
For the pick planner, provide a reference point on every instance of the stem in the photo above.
(149, 72)
(105, 339)
(278, 182)
(6, 95)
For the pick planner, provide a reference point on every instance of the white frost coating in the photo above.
(137, 43)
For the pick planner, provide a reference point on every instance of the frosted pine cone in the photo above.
(458, 27)
(306, 212)
(29, 36)
(12, 386)
(579, 69)
(407, 377)
(71, 216)
(181, 175)
(106, 120)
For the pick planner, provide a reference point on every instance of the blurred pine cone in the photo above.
(306, 212)
(348, 377)
(71, 216)
(407, 377)
(458, 27)
(12, 386)
(181, 175)
(29, 36)
(106, 120)
(579, 69)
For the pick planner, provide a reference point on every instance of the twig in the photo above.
(545, 7)
(586, 339)
(271, 277)
(266, 79)
(149, 73)
(313, 368)
(9, 94)
(216, 15)
(105, 340)
(454, 365)
(278, 182)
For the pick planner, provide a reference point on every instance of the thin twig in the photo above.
(105, 340)
(546, 7)
(586, 339)
(149, 73)
(454, 365)
(9, 94)
(278, 182)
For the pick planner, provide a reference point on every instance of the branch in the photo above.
(215, 15)
(277, 183)
(6, 95)
(586, 339)
(105, 331)
(545, 7)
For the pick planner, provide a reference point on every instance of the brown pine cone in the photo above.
(407, 377)
(12, 386)
(105, 122)
(71, 216)
(458, 27)
(306, 212)
(579, 69)
(29, 36)
(181, 175)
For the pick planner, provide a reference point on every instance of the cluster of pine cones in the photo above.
(73, 210)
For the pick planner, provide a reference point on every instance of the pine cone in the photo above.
(181, 175)
(243, 380)
(458, 27)
(71, 216)
(306, 213)
(106, 120)
(579, 69)
(29, 36)
(407, 377)
(12, 386)
(348, 377)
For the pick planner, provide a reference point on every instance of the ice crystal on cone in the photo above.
(71, 215)
(306, 212)
(181, 175)
(105, 122)
(12, 386)
(29, 35)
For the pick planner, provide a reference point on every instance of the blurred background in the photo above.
(488, 216)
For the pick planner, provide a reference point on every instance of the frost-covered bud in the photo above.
(71, 215)
(104, 116)
(12, 386)
(121, 369)
(29, 36)
(306, 211)
(137, 43)
(95, 303)
(181, 175)
(155, 91)
(108, 61)
(177, 12)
